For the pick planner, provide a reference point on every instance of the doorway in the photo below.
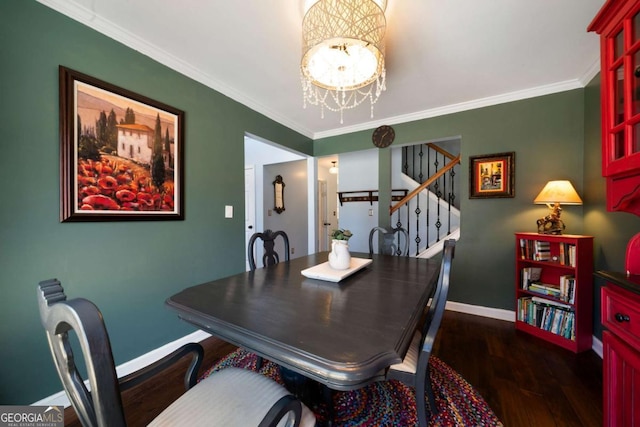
(249, 206)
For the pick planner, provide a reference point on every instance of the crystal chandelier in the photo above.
(343, 54)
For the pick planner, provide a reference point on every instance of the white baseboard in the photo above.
(597, 346)
(61, 398)
(126, 368)
(494, 313)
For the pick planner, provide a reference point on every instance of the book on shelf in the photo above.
(567, 254)
(545, 289)
(547, 315)
(542, 250)
(544, 301)
(567, 288)
(530, 275)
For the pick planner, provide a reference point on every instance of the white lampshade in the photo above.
(558, 192)
(333, 169)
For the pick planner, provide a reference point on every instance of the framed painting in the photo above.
(492, 175)
(121, 153)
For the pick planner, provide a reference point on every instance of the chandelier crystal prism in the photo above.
(343, 54)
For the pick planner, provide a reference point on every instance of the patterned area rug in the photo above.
(386, 403)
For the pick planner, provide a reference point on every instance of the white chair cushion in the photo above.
(410, 362)
(230, 397)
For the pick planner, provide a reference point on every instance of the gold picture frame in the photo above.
(492, 175)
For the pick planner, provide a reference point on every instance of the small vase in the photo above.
(339, 257)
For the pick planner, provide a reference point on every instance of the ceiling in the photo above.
(441, 56)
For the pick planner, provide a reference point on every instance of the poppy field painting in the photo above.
(121, 153)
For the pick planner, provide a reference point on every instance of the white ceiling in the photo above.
(442, 56)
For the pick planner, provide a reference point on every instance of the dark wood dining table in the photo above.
(343, 335)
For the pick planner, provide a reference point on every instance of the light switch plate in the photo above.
(228, 211)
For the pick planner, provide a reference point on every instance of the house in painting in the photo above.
(135, 142)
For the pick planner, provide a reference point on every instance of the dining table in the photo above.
(342, 334)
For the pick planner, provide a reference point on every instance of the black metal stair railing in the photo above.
(439, 167)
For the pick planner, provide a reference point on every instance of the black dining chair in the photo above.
(393, 242)
(270, 256)
(229, 397)
(414, 369)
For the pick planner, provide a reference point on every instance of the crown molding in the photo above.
(459, 107)
(117, 33)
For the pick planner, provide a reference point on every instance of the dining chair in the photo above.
(232, 396)
(270, 256)
(388, 245)
(414, 369)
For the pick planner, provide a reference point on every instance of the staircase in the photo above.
(430, 211)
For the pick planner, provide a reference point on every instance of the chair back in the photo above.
(434, 315)
(430, 329)
(103, 406)
(270, 256)
(394, 241)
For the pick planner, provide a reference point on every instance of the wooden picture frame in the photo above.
(492, 175)
(121, 153)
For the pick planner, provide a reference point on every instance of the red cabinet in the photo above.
(618, 24)
(621, 349)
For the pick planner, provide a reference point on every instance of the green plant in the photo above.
(341, 234)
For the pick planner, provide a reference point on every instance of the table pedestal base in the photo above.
(310, 392)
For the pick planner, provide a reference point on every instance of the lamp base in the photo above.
(549, 225)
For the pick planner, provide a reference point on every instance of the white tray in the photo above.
(324, 272)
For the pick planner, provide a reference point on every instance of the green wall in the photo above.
(546, 134)
(126, 268)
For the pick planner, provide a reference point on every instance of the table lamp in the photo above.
(554, 193)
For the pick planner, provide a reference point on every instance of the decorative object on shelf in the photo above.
(121, 153)
(278, 194)
(554, 193)
(342, 62)
(383, 136)
(333, 169)
(339, 257)
(492, 175)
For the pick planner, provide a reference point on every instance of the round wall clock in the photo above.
(383, 136)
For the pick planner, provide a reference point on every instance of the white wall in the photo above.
(332, 198)
(260, 153)
(358, 172)
(294, 219)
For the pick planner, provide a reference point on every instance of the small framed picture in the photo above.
(492, 175)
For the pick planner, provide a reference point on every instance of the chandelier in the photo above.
(343, 54)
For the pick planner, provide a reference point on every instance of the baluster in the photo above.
(452, 195)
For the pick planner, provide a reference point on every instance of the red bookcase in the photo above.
(554, 288)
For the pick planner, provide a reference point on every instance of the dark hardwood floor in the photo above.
(525, 380)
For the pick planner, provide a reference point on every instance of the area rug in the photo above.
(387, 403)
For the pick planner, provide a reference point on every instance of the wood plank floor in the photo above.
(526, 381)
